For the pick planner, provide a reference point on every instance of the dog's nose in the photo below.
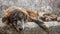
(20, 25)
(20, 28)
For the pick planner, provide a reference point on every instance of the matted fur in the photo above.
(14, 14)
(46, 16)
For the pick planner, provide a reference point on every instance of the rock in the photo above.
(53, 26)
(30, 28)
(58, 19)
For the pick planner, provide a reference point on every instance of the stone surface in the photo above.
(29, 28)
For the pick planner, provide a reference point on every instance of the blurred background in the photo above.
(52, 6)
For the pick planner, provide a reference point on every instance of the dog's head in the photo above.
(13, 14)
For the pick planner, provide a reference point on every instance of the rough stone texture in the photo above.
(29, 4)
(52, 6)
(47, 5)
(33, 29)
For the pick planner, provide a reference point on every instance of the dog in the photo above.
(14, 15)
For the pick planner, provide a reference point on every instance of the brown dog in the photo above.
(14, 14)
